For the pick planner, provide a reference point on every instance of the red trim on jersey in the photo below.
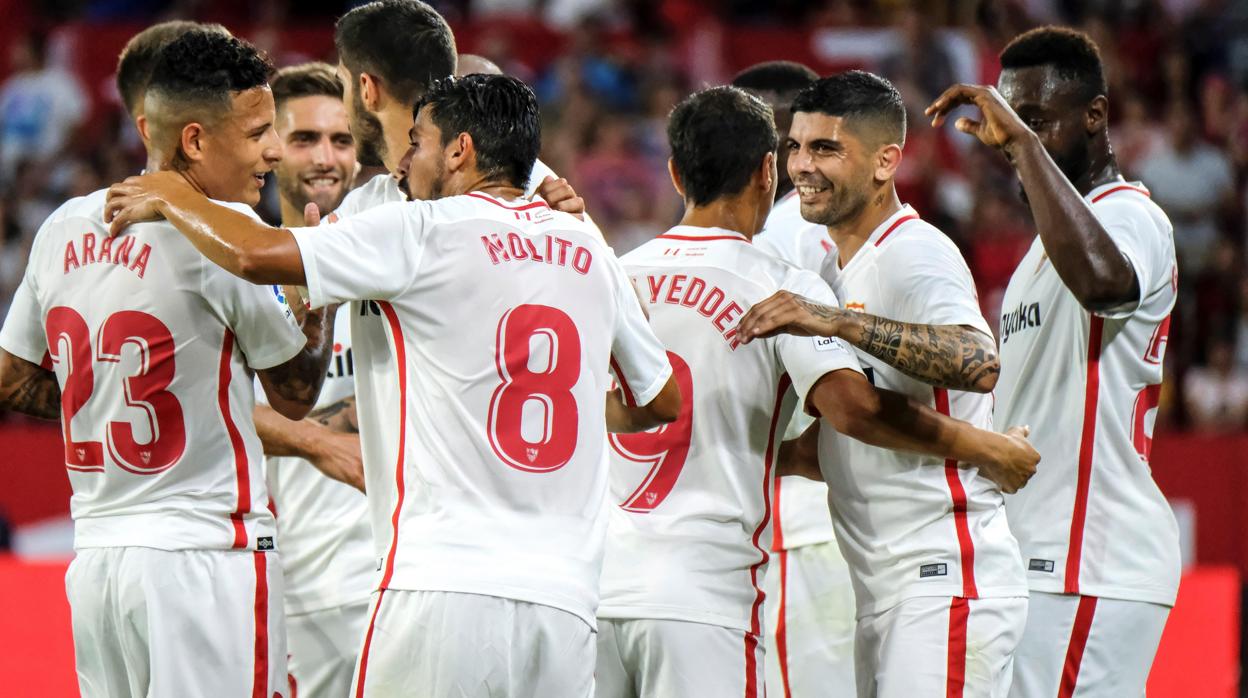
(896, 224)
(782, 640)
(777, 531)
(536, 204)
(1086, 444)
(703, 238)
(368, 643)
(756, 622)
(260, 681)
(751, 666)
(400, 358)
(1124, 187)
(242, 474)
(1078, 642)
(955, 671)
(966, 546)
(629, 398)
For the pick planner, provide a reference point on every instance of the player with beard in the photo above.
(327, 550)
(174, 589)
(389, 52)
(810, 617)
(1083, 339)
(937, 576)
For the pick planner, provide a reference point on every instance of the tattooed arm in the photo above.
(946, 356)
(28, 388)
(292, 387)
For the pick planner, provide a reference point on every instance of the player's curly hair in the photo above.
(499, 112)
(138, 58)
(205, 67)
(868, 103)
(1072, 53)
(719, 137)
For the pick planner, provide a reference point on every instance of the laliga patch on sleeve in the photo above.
(828, 344)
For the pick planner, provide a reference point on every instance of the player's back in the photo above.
(691, 507)
(481, 368)
(151, 347)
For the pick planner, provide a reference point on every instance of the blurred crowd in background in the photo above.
(1177, 69)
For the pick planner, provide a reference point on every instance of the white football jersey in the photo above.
(912, 525)
(154, 348)
(691, 501)
(327, 541)
(481, 360)
(802, 516)
(1092, 520)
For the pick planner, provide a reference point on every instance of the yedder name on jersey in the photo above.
(1092, 520)
(480, 389)
(152, 346)
(691, 508)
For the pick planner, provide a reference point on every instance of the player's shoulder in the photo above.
(379, 190)
(525, 215)
(727, 252)
(1129, 200)
(90, 206)
(909, 240)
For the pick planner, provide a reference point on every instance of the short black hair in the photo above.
(206, 67)
(775, 76)
(406, 44)
(719, 136)
(1072, 54)
(499, 112)
(138, 58)
(862, 99)
(306, 80)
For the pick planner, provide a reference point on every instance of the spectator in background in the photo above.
(1136, 136)
(40, 107)
(1193, 182)
(920, 58)
(1217, 394)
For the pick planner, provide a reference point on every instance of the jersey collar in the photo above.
(699, 234)
(890, 225)
(1114, 187)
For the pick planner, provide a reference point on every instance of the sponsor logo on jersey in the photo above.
(935, 569)
(277, 291)
(264, 543)
(856, 307)
(1022, 318)
(828, 344)
(1038, 565)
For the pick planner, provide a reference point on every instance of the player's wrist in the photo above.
(1022, 145)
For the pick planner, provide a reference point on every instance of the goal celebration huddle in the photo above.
(430, 436)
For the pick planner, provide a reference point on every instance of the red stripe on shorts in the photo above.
(1078, 642)
(955, 673)
(260, 679)
(368, 643)
(751, 666)
(782, 642)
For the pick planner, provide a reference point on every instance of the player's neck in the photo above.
(396, 123)
(735, 214)
(292, 216)
(851, 235)
(1102, 170)
(472, 181)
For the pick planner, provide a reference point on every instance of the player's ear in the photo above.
(140, 122)
(766, 174)
(370, 91)
(191, 145)
(1097, 115)
(671, 170)
(887, 160)
(459, 152)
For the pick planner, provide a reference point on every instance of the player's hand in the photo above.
(1016, 465)
(998, 126)
(561, 196)
(138, 199)
(789, 313)
(338, 457)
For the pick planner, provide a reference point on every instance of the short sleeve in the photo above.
(930, 282)
(22, 334)
(263, 324)
(807, 359)
(1140, 238)
(638, 358)
(373, 255)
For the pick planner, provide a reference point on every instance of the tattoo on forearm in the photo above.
(300, 379)
(339, 416)
(946, 356)
(36, 394)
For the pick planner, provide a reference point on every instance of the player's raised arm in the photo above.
(1082, 251)
(891, 420)
(232, 240)
(957, 357)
